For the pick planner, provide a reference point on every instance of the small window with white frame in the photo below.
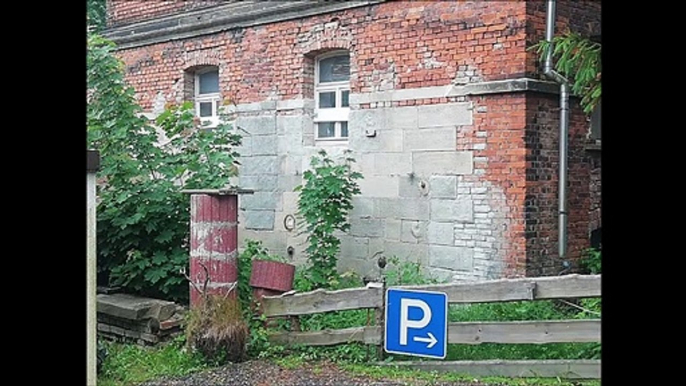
(331, 93)
(207, 97)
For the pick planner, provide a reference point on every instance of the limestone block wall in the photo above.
(414, 204)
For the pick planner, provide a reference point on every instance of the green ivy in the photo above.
(142, 216)
(324, 202)
(591, 263)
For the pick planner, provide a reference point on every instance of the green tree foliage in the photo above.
(578, 59)
(96, 13)
(324, 202)
(143, 218)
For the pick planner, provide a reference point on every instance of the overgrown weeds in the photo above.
(217, 330)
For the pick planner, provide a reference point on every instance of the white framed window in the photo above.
(331, 94)
(206, 96)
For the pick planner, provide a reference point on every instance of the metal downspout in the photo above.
(564, 129)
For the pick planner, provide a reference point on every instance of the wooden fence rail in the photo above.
(502, 290)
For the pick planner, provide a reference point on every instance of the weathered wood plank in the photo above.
(321, 301)
(538, 332)
(134, 307)
(369, 335)
(125, 333)
(533, 288)
(567, 369)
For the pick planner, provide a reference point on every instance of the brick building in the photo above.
(447, 113)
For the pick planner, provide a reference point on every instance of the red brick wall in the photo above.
(121, 12)
(580, 16)
(408, 44)
(399, 44)
(497, 139)
(542, 141)
(542, 137)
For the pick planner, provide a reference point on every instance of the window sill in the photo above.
(331, 142)
(593, 147)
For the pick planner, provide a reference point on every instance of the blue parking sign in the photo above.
(416, 323)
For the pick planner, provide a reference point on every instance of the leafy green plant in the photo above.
(324, 202)
(578, 59)
(96, 14)
(591, 262)
(143, 218)
(406, 273)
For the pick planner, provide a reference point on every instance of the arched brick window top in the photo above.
(201, 85)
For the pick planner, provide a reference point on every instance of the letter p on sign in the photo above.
(406, 323)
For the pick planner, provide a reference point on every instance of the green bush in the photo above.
(142, 216)
(591, 262)
(324, 202)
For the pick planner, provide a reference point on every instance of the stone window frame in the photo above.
(339, 114)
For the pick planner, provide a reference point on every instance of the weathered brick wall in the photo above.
(130, 11)
(579, 16)
(497, 140)
(542, 137)
(393, 45)
(510, 198)
(595, 215)
(542, 141)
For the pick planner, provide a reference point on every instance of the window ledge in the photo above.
(594, 147)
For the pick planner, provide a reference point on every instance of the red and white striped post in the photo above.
(213, 241)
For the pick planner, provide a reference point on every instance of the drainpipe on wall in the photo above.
(564, 129)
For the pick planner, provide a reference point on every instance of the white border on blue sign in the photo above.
(385, 330)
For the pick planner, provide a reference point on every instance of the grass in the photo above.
(129, 364)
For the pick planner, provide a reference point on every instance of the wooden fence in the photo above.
(502, 290)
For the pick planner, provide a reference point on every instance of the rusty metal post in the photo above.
(214, 241)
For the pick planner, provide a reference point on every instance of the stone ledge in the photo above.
(482, 88)
(221, 18)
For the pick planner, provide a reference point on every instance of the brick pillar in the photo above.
(214, 240)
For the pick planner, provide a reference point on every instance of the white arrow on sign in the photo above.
(431, 340)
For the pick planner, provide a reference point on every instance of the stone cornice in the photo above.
(481, 88)
(221, 18)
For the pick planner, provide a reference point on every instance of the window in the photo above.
(207, 98)
(331, 93)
